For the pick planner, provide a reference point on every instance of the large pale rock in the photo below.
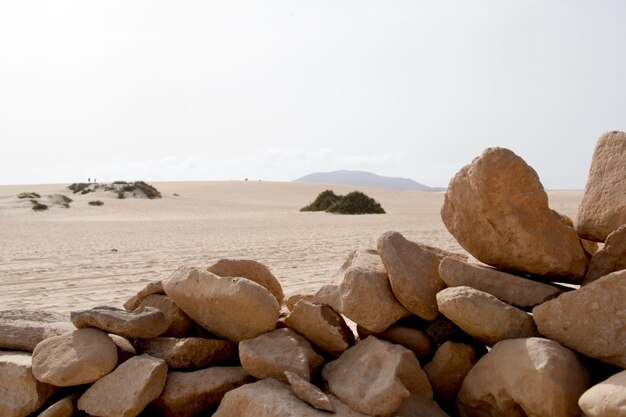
(590, 320)
(127, 390)
(321, 325)
(419, 407)
(233, 308)
(272, 398)
(511, 289)
(329, 295)
(146, 322)
(497, 209)
(611, 258)
(271, 354)
(65, 407)
(24, 329)
(365, 295)
(309, 393)
(524, 377)
(292, 299)
(603, 207)
(483, 316)
(412, 339)
(20, 393)
(178, 322)
(79, 357)
(413, 271)
(606, 399)
(448, 368)
(189, 352)
(187, 393)
(375, 376)
(253, 270)
(150, 288)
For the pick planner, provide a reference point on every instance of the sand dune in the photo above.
(65, 259)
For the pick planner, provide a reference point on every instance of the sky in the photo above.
(274, 90)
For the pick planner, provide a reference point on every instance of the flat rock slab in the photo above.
(483, 316)
(252, 270)
(611, 258)
(309, 393)
(232, 308)
(155, 287)
(497, 209)
(448, 368)
(21, 393)
(178, 323)
(76, 358)
(126, 391)
(24, 329)
(189, 352)
(141, 323)
(603, 207)
(188, 393)
(520, 377)
(511, 289)
(605, 399)
(590, 320)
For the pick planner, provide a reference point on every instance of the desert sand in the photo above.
(79, 257)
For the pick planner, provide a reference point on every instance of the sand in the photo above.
(83, 256)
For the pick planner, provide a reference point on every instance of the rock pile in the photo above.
(437, 334)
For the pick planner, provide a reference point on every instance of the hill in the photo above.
(365, 179)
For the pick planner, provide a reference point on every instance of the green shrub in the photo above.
(28, 195)
(147, 189)
(121, 195)
(78, 187)
(37, 206)
(356, 203)
(96, 203)
(324, 200)
(120, 182)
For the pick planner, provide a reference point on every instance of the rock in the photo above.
(151, 288)
(80, 357)
(322, 326)
(127, 390)
(65, 407)
(188, 353)
(187, 393)
(418, 407)
(253, 270)
(271, 354)
(511, 289)
(589, 320)
(365, 294)
(141, 323)
(125, 350)
(443, 330)
(272, 398)
(413, 271)
(21, 393)
(448, 368)
(605, 399)
(412, 339)
(24, 329)
(374, 377)
(178, 322)
(497, 209)
(329, 295)
(611, 258)
(603, 207)
(483, 316)
(239, 309)
(520, 377)
(309, 393)
(291, 300)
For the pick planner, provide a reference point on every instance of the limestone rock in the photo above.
(271, 354)
(253, 270)
(413, 271)
(188, 353)
(448, 368)
(418, 407)
(374, 377)
(329, 295)
(589, 320)
(238, 309)
(412, 339)
(603, 207)
(605, 399)
(20, 393)
(178, 322)
(291, 300)
(483, 316)
(611, 258)
(125, 349)
(520, 377)
(497, 209)
(65, 407)
(511, 289)
(151, 288)
(141, 323)
(23, 329)
(80, 357)
(321, 325)
(365, 294)
(187, 393)
(127, 390)
(309, 393)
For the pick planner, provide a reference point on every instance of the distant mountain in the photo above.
(365, 179)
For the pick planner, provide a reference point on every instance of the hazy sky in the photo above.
(276, 89)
